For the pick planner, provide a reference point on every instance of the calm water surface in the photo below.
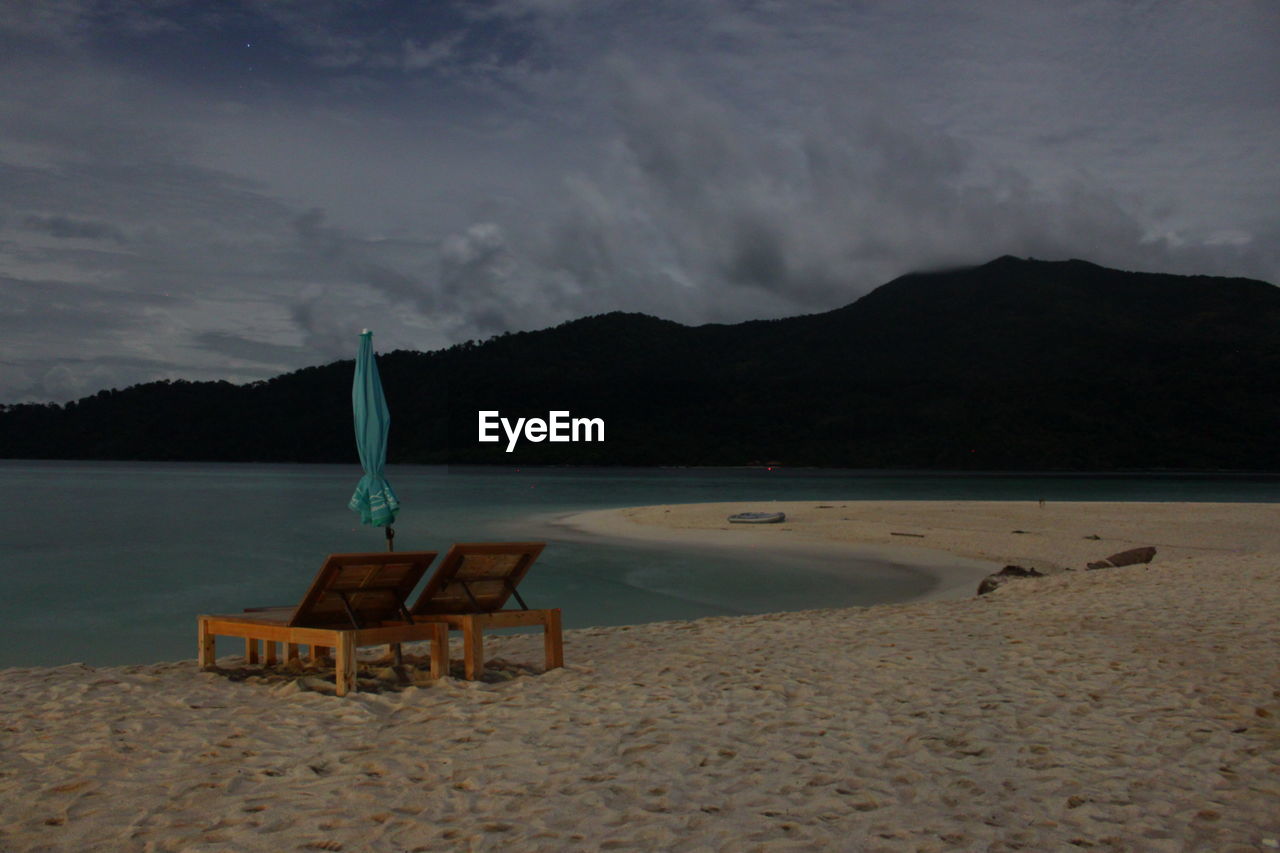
(109, 563)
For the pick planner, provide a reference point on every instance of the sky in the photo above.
(233, 190)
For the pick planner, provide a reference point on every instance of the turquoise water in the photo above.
(109, 563)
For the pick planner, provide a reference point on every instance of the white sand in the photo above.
(1124, 709)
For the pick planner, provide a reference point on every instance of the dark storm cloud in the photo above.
(45, 323)
(476, 272)
(324, 329)
(472, 284)
(832, 206)
(807, 218)
(245, 349)
(53, 307)
(67, 228)
(265, 177)
(355, 256)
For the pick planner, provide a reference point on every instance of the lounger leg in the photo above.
(290, 651)
(472, 647)
(553, 639)
(440, 650)
(207, 645)
(318, 652)
(345, 662)
(250, 650)
(270, 656)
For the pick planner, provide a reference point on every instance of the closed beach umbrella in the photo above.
(373, 498)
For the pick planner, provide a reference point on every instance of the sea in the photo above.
(109, 563)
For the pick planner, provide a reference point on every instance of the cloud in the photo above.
(822, 210)
(67, 228)
(71, 311)
(477, 278)
(53, 21)
(470, 284)
(474, 260)
(246, 349)
(324, 329)
(447, 171)
(358, 259)
(699, 195)
(437, 53)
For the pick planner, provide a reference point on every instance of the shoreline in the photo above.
(951, 576)
(956, 543)
(1131, 708)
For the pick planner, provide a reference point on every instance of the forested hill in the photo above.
(1015, 364)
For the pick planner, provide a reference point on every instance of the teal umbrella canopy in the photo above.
(374, 498)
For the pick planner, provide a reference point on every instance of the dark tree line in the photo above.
(1012, 365)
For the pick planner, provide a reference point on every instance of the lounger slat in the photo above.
(375, 585)
(504, 564)
(487, 566)
(471, 596)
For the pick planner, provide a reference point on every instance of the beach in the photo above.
(1130, 708)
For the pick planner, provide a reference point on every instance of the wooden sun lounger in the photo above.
(355, 600)
(471, 586)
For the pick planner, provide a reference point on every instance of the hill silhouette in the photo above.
(1012, 365)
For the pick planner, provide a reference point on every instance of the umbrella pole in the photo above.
(397, 655)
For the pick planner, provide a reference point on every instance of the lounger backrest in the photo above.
(374, 586)
(477, 577)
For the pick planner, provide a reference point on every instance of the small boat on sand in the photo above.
(758, 517)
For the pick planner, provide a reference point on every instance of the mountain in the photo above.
(1015, 364)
